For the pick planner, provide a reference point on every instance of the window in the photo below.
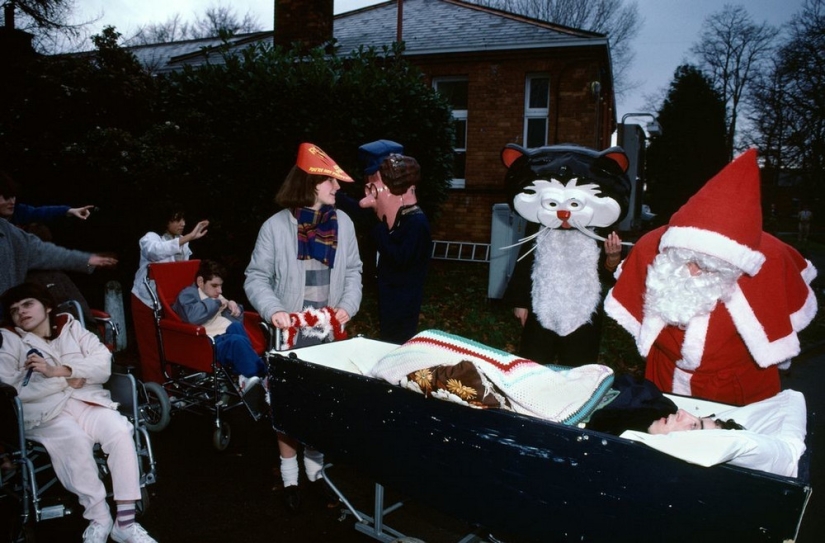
(536, 109)
(455, 90)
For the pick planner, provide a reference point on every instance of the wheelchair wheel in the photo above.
(221, 436)
(156, 412)
(143, 503)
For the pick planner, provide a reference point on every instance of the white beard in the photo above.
(676, 296)
(566, 289)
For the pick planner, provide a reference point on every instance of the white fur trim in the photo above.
(693, 347)
(652, 326)
(618, 272)
(806, 313)
(681, 381)
(621, 315)
(809, 273)
(765, 352)
(714, 244)
(644, 332)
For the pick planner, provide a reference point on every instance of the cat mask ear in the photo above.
(615, 155)
(511, 153)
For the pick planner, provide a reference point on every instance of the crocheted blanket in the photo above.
(556, 393)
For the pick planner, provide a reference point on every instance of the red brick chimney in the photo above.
(305, 21)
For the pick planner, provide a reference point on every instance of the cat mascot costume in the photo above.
(566, 192)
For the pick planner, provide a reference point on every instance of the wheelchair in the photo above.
(30, 492)
(151, 400)
(194, 379)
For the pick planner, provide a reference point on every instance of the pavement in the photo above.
(207, 496)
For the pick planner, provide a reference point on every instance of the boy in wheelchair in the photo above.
(203, 303)
(59, 369)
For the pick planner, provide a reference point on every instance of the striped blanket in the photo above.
(556, 393)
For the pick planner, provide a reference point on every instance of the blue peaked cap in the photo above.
(371, 155)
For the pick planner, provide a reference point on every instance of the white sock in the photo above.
(313, 462)
(290, 471)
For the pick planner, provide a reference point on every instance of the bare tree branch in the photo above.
(619, 20)
(733, 50)
(217, 20)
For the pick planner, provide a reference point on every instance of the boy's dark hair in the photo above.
(27, 290)
(210, 269)
(299, 189)
(8, 187)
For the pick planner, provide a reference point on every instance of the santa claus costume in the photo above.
(732, 353)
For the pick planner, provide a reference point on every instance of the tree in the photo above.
(236, 157)
(802, 72)
(48, 21)
(218, 139)
(619, 21)
(691, 148)
(41, 13)
(771, 119)
(216, 21)
(733, 50)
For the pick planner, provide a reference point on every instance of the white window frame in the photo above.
(458, 115)
(536, 112)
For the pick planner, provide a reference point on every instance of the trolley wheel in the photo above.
(143, 503)
(157, 412)
(221, 436)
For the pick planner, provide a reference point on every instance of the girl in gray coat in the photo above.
(306, 257)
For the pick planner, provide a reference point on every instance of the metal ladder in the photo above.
(464, 251)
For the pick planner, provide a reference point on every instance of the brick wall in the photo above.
(496, 117)
(467, 216)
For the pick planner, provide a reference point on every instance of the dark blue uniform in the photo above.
(403, 257)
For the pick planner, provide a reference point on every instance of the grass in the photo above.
(455, 300)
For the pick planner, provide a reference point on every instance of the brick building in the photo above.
(510, 78)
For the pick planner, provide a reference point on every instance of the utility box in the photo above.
(508, 228)
(634, 142)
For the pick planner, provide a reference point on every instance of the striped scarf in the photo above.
(317, 234)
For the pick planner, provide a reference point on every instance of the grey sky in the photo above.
(669, 30)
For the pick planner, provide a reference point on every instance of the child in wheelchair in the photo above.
(59, 369)
(203, 303)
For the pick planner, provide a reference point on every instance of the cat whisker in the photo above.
(523, 240)
(533, 248)
(592, 234)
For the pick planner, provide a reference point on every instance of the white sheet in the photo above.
(773, 442)
(355, 355)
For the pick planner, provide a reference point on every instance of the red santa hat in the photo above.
(723, 219)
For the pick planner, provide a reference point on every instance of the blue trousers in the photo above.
(236, 354)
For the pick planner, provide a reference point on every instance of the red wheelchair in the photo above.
(194, 379)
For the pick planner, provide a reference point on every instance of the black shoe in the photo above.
(292, 497)
(325, 493)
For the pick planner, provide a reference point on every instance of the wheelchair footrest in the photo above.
(54, 511)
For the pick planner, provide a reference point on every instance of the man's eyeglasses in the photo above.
(373, 190)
